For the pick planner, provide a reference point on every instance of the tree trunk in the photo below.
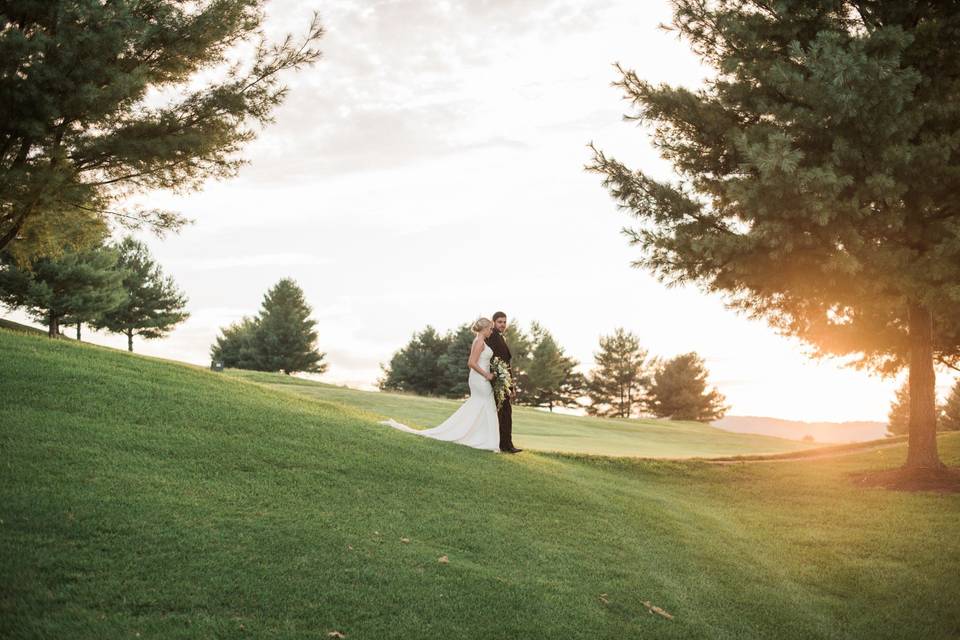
(78, 331)
(130, 340)
(54, 328)
(922, 438)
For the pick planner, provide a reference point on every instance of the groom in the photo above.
(505, 414)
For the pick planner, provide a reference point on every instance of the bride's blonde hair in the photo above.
(480, 325)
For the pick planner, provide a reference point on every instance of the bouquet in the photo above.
(502, 380)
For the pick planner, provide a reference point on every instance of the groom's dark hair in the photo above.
(499, 314)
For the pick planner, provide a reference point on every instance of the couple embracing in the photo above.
(478, 422)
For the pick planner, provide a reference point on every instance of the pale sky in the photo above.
(429, 170)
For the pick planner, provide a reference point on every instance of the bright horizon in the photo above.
(429, 169)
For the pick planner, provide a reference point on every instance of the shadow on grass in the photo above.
(942, 480)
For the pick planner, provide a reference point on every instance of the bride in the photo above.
(475, 423)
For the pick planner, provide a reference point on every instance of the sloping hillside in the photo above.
(16, 326)
(544, 431)
(141, 498)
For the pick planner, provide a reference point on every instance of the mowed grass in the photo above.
(16, 326)
(141, 498)
(544, 431)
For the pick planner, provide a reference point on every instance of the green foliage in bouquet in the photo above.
(502, 380)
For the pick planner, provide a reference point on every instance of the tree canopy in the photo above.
(679, 391)
(617, 384)
(286, 338)
(101, 100)
(235, 347)
(152, 306)
(551, 378)
(281, 337)
(419, 367)
(76, 286)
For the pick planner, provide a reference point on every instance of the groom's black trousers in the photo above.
(505, 415)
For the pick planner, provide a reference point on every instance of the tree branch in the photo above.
(152, 224)
(947, 364)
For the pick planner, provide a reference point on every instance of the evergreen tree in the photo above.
(898, 419)
(520, 344)
(679, 391)
(572, 387)
(72, 288)
(817, 179)
(285, 338)
(81, 123)
(950, 415)
(617, 384)
(237, 348)
(436, 364)
(417, 367)
(551, 377)
(153, 305)
(453, 363)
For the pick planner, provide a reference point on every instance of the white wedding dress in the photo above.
(475, 423)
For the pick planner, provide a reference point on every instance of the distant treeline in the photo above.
(624, 381)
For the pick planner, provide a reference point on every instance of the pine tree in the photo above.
(153, 305)
(236, 347)
(285, 337)
(551, 378)
(417, 367)
(453, 363)
(817, 179)
(520, 344)
(617, 384)
(898, 419)
(86, 129)
(679, 391)
(75, 287)
(950, 414)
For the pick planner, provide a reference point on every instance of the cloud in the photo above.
(398, 82)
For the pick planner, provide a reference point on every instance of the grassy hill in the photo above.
(142, 498)
(544, 431)
(16, 326)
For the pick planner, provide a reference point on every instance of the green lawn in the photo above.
(142, 498)
(543, 431)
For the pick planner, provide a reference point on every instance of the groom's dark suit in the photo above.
(500, 350)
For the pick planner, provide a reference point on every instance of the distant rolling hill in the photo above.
(856, 431)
